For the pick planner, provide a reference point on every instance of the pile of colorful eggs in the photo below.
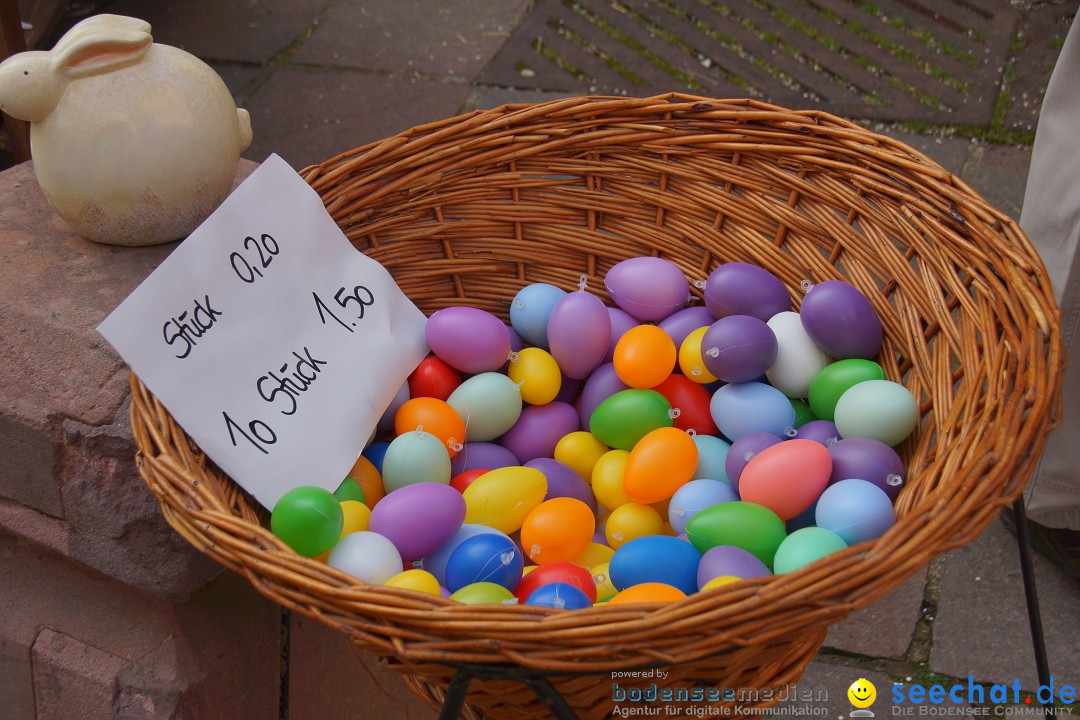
(589, 454)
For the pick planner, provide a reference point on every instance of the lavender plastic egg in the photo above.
(649, 288)
(822, 431)
(468, 339)
(738, 348)
(680, 324)
(743, 451)
(841, 321)
(740, 408)
(602, 384)
(695, 496)
(856, 510)
(729, 560)
(579, 332)
(867, 459)
(489, 456)
(621, 321)
(569, 390)
(418, 518)
(737, 288)
(539, 429)
(563, 481)
(530, 310)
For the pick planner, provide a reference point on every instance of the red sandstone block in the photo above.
(72, 680)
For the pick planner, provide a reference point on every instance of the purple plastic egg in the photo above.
(737, 288)
(867, 459)
(418, 518)
(386, 422)
(680, 324)
(539, 429)
(579, 332)
(729, 560)
(489, 456)
(468, 339)
(563, 481)
(569, 390)
(649, 288)
(738, 348)
(602, 384)
(822, 431)
(743, 450)
(621, 321)
(841, 321)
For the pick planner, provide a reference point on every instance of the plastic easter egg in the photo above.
(538, 429)
(433, 416)
(786, 478)
(798, 358)
(644, 356)
(820, 431)
(415, 580)
(879, 409)
(835, 379)
(742, 451)
(660, 463)
(803, 413)
(564, 572)
(557, 530)
(569, 390)
(386, 421)
(530, 310)
(653, 592)
(367, 556)
(349, 489)
(488, 557)
(841, 321)
(720, 581)
(600, 385)
(580, 450)
(468, 339)
(752, 527)
(516, 344)
(433, 378)
(691, 361)
(737, 288)
(695, 496)
(563, 482)
(463, 480)
(856, 510)
(712, 458)
(656, 558)
(435, 562)
(738, 348)
(594, 554)
(483, 593)
(482, 455)
(692, 401)
(607, 479)
(805, 546)
(867, 459)
(740, 408)
(649, 288)
(627, 416)
(415, 457)
(729, 561)
(630, 521)
(503, 497)
(560, 596)
(489, 404)
(579, 331)
(680, 324)
(537, 375)
(368, 478)
(419, 518)
(621, 322)
(375, 453)
(601, 575)
(356, 516)
(308, 519)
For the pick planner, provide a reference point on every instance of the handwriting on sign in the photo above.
(188, 327)
(288, 385)
(261, 253)
(353, 304)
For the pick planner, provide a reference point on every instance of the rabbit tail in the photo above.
(243, 121)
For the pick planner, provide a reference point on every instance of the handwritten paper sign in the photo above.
(271, 340)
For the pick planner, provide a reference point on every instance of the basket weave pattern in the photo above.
(470, 209)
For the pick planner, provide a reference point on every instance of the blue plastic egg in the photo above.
(375, 452)
(695, 496)
(435, 562)
(656, 558)
(530, 310)
(712, 457)
(487, 557)
(740, 408)
(856, 510)
(559, 595)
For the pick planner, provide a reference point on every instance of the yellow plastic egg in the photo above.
(607, 479)
(357, 516)
(503, 497)
(601, 575)
(418, 580)
(594, 555)
(690, 360)
(631, 521)
(579, 451)
(719, 581)
(538, 374)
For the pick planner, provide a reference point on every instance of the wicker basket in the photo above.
(467, 210)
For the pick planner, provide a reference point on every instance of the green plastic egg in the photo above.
(834, 380)
(804, 546)
(752, 527)
(349, 489)
(803, 413)
(481, 593)
(878, 409)
(627, 416)
(308, 519)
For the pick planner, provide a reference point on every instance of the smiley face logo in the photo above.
(862, 693)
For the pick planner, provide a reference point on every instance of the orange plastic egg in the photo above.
(652, 592)
(644, 356)
(661, 462)
(435, 417)
(369, 479)
(557, 530)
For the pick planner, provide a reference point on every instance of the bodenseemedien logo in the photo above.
(861, 695)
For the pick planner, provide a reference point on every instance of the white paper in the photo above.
(295, 342)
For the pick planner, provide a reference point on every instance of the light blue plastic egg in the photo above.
(489, 403)
(695, 496)
(856, 510)
(712, 457)
(879, 409)
(415, 457)
(739, 408)
(530, 310)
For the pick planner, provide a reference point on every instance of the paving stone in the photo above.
(981, 627)
(883, 629)
(73, 680)
(442, 38)
(483, 98)
(999, 174)
(948, 152)
(309, 117)
(236, 77)
(824, 684)
(229, 30)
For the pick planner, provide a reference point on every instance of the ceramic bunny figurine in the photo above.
(134, 143)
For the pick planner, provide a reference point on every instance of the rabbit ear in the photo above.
(100, 44)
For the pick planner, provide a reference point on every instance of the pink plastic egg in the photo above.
(579, 332)
(467, 339)
(649, 288)
(787, 478)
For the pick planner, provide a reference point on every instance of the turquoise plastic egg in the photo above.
(754, 528)
(739, 408)
(627, 416)
(835, 379)
(798, 358)
(695, 496)
(712, 457)
(530, 310)
(655, 558)
(489, 403)
(804, 546)
(415, 457)
(878, 409)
